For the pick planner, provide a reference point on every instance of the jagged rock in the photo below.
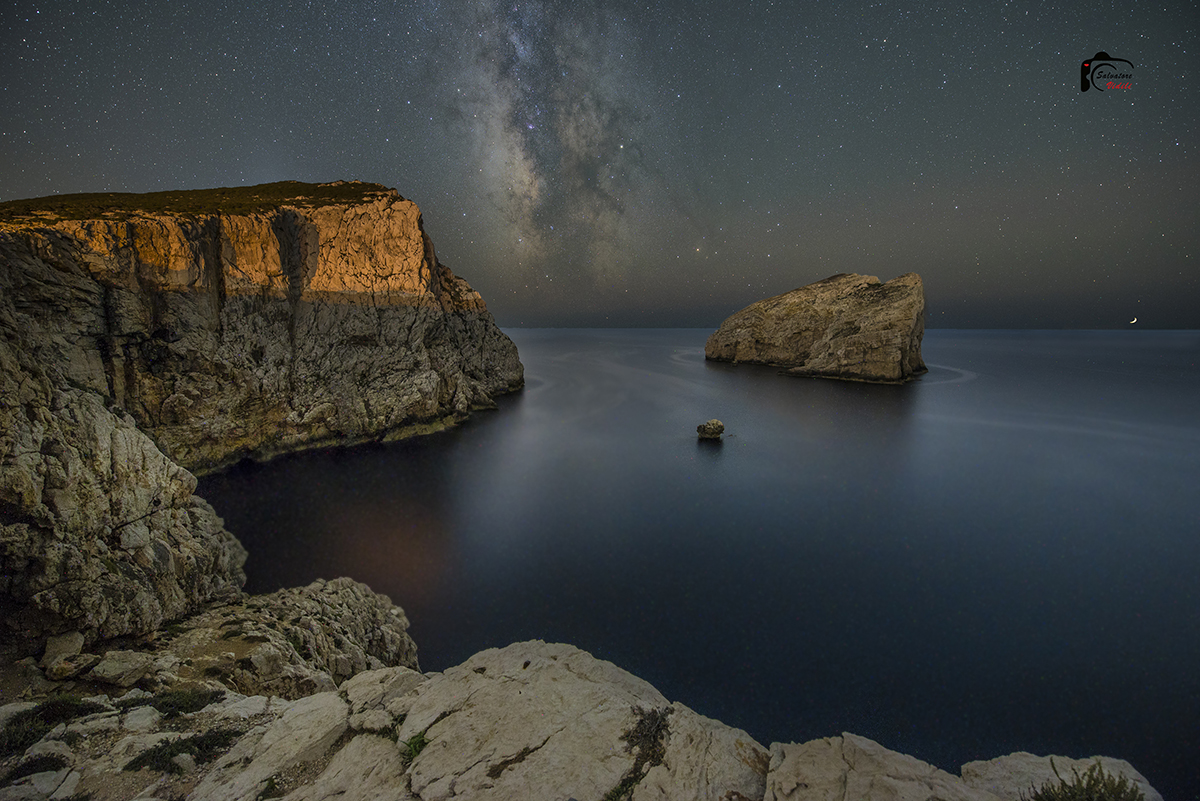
(291, 643)
(122, 668)
(713, 429)
(143, 718)
(61, 647)
(847, 326)
(1015, 774)
(64, 669)
(74, 476)
(855, 767)
(302, 735)
(367, 769)
(370, 692)
(139, 347)
(532, 720)
(511, 722)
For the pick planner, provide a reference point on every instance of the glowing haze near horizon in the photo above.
(610, 163)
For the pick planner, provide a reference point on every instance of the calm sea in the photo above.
(1003, 555)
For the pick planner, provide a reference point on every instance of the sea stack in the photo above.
(847, 326)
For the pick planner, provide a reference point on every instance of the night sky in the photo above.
(663, 164)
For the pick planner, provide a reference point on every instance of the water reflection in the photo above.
(957, 567)
(377, 514)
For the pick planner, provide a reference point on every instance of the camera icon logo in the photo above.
(1101, 72)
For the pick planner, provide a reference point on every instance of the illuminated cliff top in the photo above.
(225, 200)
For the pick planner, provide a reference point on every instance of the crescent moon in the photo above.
(1134, 320)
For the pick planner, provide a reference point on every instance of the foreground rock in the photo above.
(855, 767)
(847, 326)
(1029, 770)
(530, 721)
(291, 643)
(137, 348)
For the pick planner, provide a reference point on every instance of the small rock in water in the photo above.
(711, 430)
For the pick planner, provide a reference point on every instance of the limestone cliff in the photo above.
(847, 326)
(138, 347)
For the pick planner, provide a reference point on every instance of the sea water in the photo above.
(1003, 555)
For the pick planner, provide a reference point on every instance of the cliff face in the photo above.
(138, 349)
(847, 326)
(247, 336)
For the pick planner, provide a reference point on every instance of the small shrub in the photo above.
(132, 703)
(38, 764)
(1093, 785)
(173, 703)
(416, 744)
(272, 789)
(26, 728)
(203, 748)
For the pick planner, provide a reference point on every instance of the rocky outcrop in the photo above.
(138, 348)
(290, 643)
(855, 767)
(847, 326)
(529, 721)
(1024, 771)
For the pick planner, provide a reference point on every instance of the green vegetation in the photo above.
(173, 703)
(203, 748)
(416, 744)
(38, 764)
(272, 789)
(26, 728)
(1093, 785)
(226, 200)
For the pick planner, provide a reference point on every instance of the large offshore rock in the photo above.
(847, 326)
(137, 348)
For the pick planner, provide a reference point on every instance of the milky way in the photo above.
(553, 101)
(618, 163)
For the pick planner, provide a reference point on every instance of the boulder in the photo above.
(302, 735)
(855, 767)
(517, 721)
(122, 668)
(64, 646)
(713, 429)
(1017, 775)
(848, 326)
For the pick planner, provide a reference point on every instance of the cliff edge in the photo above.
(146, 338)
